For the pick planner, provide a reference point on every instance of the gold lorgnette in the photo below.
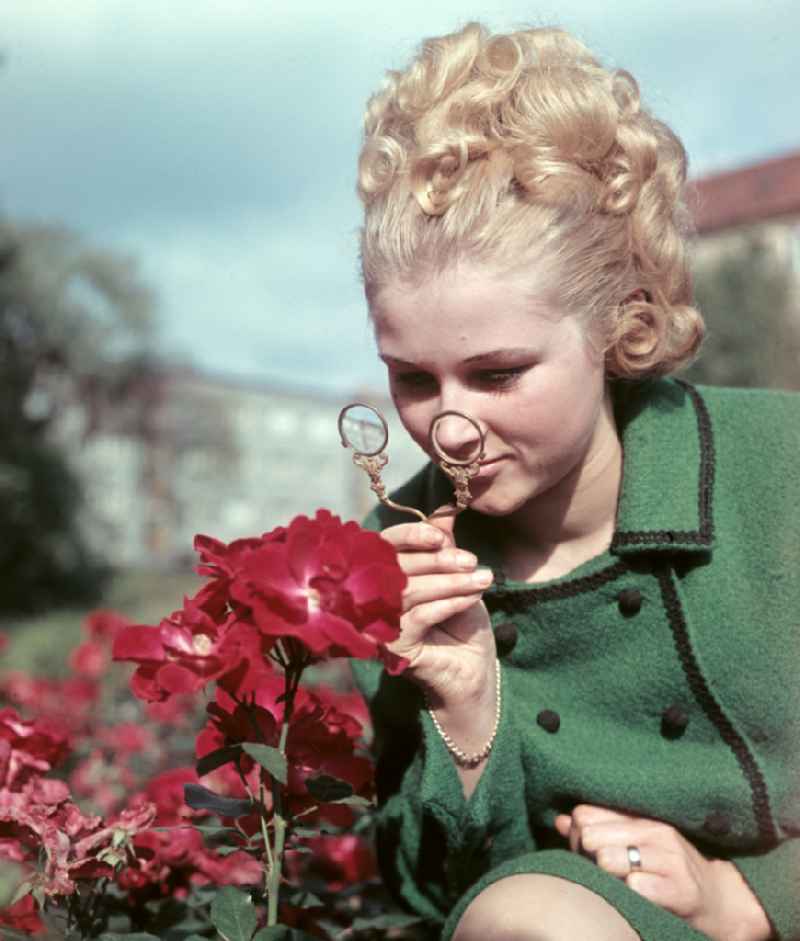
(364, 429)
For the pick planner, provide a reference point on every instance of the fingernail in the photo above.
(465, 560)
(482, 576)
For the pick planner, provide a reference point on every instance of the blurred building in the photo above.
(761, 200)
(226, 458)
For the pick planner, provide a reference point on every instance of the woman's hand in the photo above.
(445, 631)
(710, 894)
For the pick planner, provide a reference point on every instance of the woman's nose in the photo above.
(456, 436)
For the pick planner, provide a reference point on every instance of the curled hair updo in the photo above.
(521, 149)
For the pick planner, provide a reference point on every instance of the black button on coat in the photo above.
(549, 720)
(674, 720)
(630, 601)
(505, 638)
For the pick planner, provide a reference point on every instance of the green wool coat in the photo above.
(660, 677)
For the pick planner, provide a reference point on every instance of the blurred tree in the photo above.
(749, 299)
(75, 327)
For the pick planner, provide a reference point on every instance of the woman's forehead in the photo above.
(470, 328)
(469, 302)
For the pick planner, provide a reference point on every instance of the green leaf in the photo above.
(364, 824)
(281, 933)
(111, 858)
(201, 895)
(383, 922)
(201, 798)
(233, 914)
(227, 850)
(302, 898)
(355, 800)
(269, 758)
(333, 928)
(21, 892)
(216, 759)
(215, 835)
(138, 936)
(309, 833)
(188, 929)
(327, 789)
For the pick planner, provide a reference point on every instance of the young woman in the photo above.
(597, 733)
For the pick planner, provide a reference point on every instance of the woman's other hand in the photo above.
(445, 634)
(710, 894)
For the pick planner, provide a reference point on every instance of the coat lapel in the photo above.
(666, 499)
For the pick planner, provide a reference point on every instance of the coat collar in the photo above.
(666, 499)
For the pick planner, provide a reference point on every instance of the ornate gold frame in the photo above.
(459, 471)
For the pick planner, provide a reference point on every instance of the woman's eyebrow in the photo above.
(394, 361)
(509, 354)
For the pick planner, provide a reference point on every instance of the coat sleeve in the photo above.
(758, 447)
(432, 843)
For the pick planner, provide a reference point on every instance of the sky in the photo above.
(216, 142)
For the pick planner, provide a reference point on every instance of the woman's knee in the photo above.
(498, 913)
(532, 907)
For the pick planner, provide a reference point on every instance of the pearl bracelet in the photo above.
(461, 757)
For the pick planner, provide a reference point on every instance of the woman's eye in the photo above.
(413, 380)
(492, 379)
(501, 378)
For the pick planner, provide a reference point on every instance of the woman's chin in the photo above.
(493, 501)
(499, 497)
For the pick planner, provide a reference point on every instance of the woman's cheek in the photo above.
(415, 423)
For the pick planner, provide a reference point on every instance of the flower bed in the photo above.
(210, 793)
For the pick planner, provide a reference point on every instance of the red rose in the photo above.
(90, 659)
(343, 860)
(334, 586)
(321, 740)
(47, 698)
(180, 656)
(166, 792)
(28, 749)
(103, 625)
(127, 738)
(22, 916)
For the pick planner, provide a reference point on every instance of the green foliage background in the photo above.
(74, 331)
(750, 299)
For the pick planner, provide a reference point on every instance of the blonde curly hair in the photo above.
(520, 149)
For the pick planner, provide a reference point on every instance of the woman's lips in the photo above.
(489, 468)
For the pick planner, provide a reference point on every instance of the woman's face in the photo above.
(485, 344)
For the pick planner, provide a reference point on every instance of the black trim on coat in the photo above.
(516, 600)
(711, 707)
(703, 536)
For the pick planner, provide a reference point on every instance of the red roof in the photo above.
(758, 193)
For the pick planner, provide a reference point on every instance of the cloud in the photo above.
(262, 296)
(218, 140)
